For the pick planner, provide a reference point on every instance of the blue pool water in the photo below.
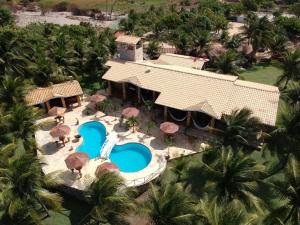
(130, 157)
(94, 135)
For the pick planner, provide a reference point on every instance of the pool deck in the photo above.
(54, 156)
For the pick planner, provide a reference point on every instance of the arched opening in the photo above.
(146, 95)
(132, 93)
(176, 115)
(201, 120)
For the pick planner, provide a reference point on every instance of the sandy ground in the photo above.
(24, 18)
(235, 28)
(54, 156)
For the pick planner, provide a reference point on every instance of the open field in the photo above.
(120, 6)
(263, 73)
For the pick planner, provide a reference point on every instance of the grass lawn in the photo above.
(120, 6)
(263, 73)
(266, 73)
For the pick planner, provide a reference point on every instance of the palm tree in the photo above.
(176, 171)
(240, 128)
(150, 126)
(6, 17)
(291, 68)
(170, 205)
(231, 175)
(21, 122)
(153, 50)
(213, 213)
(182, 41)
(6, 152)
(200, 40)
(259, 32)
(278, 45)
(11, 55)
(105, 106)
(226, 63)
(23, 193)
(288, 190)
(110, 199)
(284, 140)
(12, 91)
(132, 122)
(292, 95)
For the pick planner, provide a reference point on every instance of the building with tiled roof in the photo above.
(61, 94)
(178, 83)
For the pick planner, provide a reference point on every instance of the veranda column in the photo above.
(63, 102)
(165, 113)
(189, 119)
(212, 125)
(48, 105)
(109, 90)
(78, 100)
(139, 95)
(124, 91)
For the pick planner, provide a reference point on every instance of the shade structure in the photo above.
(107, 166)
(169, 128)
(60, 131)
(76, 160)
(97, 98)
(130, 112)
(57, 111)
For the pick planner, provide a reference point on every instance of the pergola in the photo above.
(62, 92)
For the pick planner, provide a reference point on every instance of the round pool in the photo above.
(130, 157)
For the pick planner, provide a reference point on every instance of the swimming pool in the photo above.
(130, 157)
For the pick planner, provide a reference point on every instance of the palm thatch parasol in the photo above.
(130, 112)
(169, 128)
(57, 111)
(97, 98)
(76, 160)
(60, 131)
(107, 166)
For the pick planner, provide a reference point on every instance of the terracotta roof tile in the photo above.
(198, 90)
(41, 95)
(128, 39)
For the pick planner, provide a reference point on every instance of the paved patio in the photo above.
(54, 156)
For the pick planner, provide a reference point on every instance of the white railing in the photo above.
(148, 178)
(108, 145)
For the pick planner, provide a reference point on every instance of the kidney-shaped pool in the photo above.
(130, 157)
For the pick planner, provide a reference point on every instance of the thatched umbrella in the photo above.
(97, 98)
(107, 166)
(76, 161)
(60, 132)
(169, 128)
(57, 111)
(130, 112)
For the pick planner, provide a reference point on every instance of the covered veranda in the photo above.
(193, 117)
(62, 95)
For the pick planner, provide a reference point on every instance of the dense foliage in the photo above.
(229, 183)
